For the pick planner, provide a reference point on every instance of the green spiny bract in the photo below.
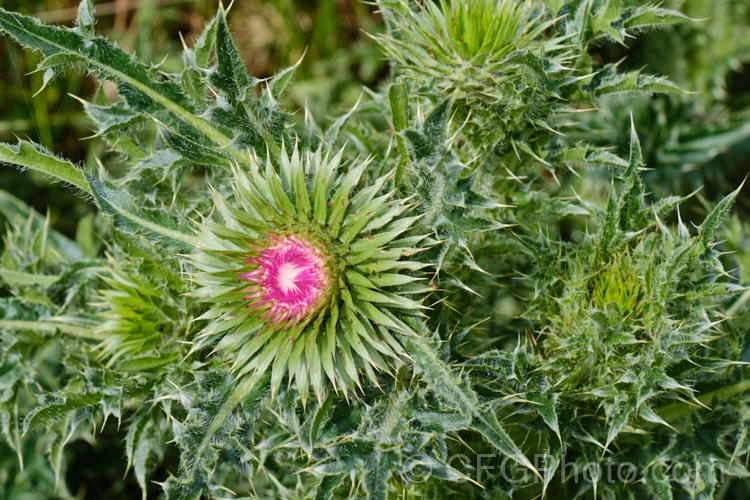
(354, 246)
(473, 39)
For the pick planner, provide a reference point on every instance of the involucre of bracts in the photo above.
(307, 278)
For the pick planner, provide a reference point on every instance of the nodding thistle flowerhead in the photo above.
(306, 277)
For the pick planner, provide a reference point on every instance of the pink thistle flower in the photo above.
(291, 280)
(307, 277)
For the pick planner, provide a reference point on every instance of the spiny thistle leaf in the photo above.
(139, 89)
(597, 19)
(707, 229)
(31, 156)
(452, 209)
(19, 214)
(454, 391)
(128, 217)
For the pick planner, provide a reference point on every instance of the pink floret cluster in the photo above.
(291, 279)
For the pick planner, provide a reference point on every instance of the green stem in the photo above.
(251, 386)
(738, 304)
(398, 99)
(677, 410)
(52, 327)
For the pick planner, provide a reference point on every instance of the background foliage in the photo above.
(588, 246)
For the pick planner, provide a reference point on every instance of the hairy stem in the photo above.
(677, 410)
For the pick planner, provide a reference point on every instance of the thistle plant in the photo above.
(260, 305)
(618, 317)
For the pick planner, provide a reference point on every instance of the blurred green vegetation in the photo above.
(698, 139)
